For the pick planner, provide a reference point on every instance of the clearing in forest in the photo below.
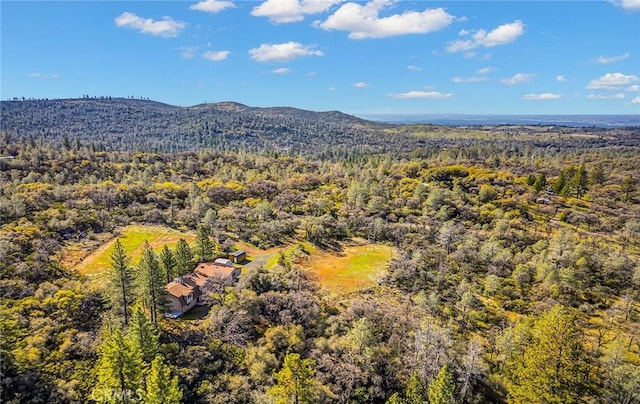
(132, 238)
(355, 268)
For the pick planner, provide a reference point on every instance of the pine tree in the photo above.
(553, 365)
(168, 262)
(415, 393)
(441, 390)
(161, 387)
(143, 335)
(579, 181)
(151, 283)
(119, 369)
(295, 381)
(628, 187)
(184, 258)
(596, 176)
(540, 182)
(120, 281)
(204, 245)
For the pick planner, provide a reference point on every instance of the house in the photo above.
(193, 289)
(238, 256)
(182, 295)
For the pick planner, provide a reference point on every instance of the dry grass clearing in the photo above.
(132, 238)
(355, 268)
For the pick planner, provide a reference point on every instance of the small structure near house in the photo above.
(183, 294)
(238, 256)
(223, 261)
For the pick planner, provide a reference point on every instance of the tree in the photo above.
(204, 246)
(295, 381)
(540, 182)
(441, 390)
(596, 176)
(415, 393)
(553, 364)
(143, 335)
(161, 387)
(151, 282)
(120, 281)
(119, 369)
(628, 187)
(579, 181)
(168, 262)
(184, 258)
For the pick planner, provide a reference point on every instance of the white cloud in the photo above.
(311, 74)
(502, 35)
(560, 78)
(628, 4)
(414, 68)
(363, 20)
(282, 52)
(636, 100)
(38, 75)
(605, 60)
(517, 79)
(485, 70)
(361, 84)
(633, 88)
(167, 27)
(216, 56)
(285, 11)
(411, 95)
(605, 97)
(612, 81)
(281, 70)
(542, 97)
(212, 6)
(476, 79)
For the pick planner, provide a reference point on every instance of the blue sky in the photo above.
(368, 57)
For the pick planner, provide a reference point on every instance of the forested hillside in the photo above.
(516, 276)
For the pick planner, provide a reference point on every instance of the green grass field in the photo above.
(132, 238)
(358, 267)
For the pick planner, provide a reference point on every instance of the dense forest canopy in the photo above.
(516, 276)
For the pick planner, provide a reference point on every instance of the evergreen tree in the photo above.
(596, 176)
(168, 262)
(415, 393)
(531, 179)
(295, 381)
(579, 181)
(143, 335)
(441, 390)
(119, 370)
(628, 187)
(161, 387)
(540, 182)
(552, 367)
(184, 258)
(151, 282)
(204, 245)
(120, 281)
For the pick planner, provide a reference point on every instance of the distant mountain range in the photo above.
(581, 121)
(135, 124)
(143, 125)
